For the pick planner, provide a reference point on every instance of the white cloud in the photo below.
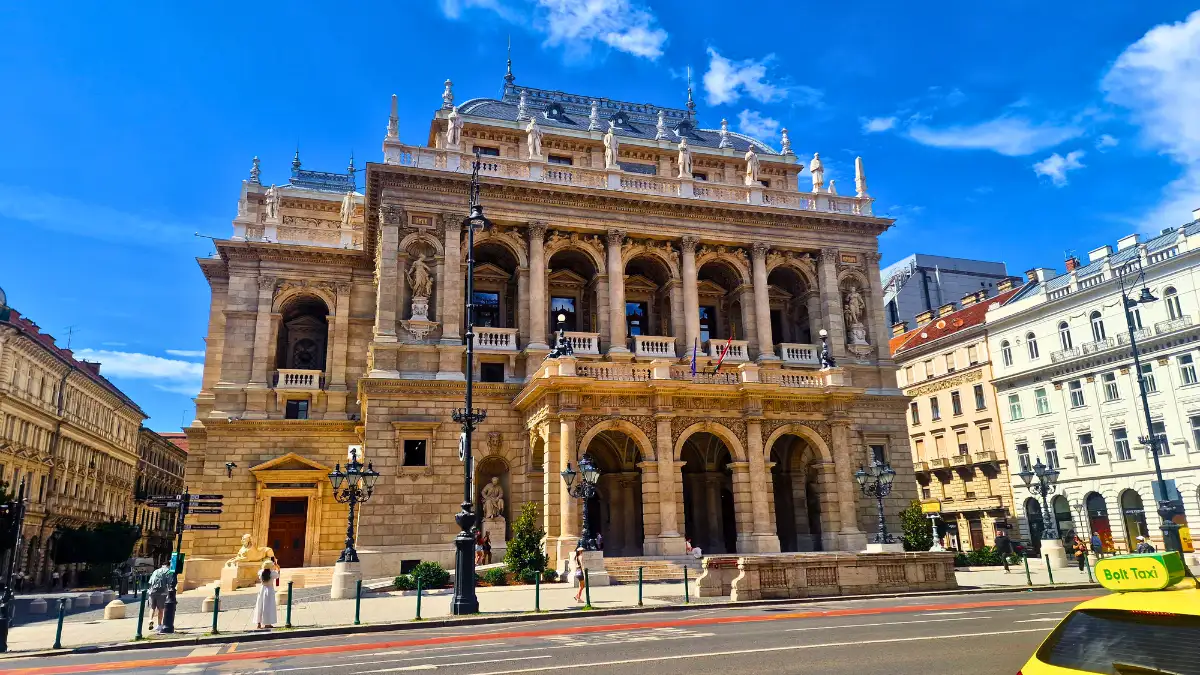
(453, 9)
(71, 216)
(1055, 167)
(727, 81)
(1158, 79)
(753, 123)
(1104, 142)
(1008, 135)
(187, 353)
(168, 374)
(875, 125)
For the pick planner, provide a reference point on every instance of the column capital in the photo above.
(688, 243)
(759, 250)
(830, 254)
(391, 214)
(615, 237)
(342, 287)
(266, 283)
(873, 257)
(537, 229)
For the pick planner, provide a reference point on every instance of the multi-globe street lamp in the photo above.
(876, 481)
(1042, 481)
(562, 346)
(353, 486)
(584, 489)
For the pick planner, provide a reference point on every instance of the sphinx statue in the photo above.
(249, 553)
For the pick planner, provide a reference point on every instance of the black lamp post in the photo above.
(876, 481)
(1167, 508)
(13, 515)
(354, 486)
(562, 346)
(827, 360)
(584, 489)
(465, 601)
(1046, 479)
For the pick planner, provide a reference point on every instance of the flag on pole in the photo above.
(695, 348)
(724, 351)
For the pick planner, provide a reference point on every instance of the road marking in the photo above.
(888, 623)
(198, 651)
(1045, 619)
(162, 663)
(739, 652)
(1061, 614)
(431, 666)
(970, 611)
(232, 648)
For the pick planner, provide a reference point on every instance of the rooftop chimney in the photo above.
(1006, 284)
(1045, 274)
(948, 308)
(1072, 264)
(1126, 242)
(924, 317)
(93, 366)
(899, 328)
(968, 300)
(1105, 251)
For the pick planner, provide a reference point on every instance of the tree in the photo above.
(523, 555)
(917, 535)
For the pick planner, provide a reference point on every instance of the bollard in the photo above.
(1088, 564)
(640, 585)
(686, 599)
(1028, 576)
(587, 589)
(288, 623)
(141, 615)
(216, 608)
(1050, 570)
(62, 612)
(358, 602)
(537, 593)
(419, 589)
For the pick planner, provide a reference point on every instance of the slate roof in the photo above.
(944, 326)
(1165, 240)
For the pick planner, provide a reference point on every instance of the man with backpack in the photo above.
(160, 582)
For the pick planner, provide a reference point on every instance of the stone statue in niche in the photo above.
(420, 282)
(347, 208)
(751, 167)
(817, 169)
(855, 310)
(533, 138)
(493, 499)
(611, 146)
(685, 159)
(454, 127)
(271, 207)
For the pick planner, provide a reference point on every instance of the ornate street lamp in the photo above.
(876, 481)
(1046, 480)
(469, 417)
(826, 358)
(562, 346)
(354, 486)
(584, 489)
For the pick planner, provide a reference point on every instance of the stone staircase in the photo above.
(625, 570)
(313, 576)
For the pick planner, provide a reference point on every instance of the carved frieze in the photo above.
(947, 383)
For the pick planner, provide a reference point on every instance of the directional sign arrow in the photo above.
(202, 527)
(199, 498)
(203, 504)
(162, 505)
(211, 512)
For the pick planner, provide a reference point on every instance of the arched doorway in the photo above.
(1033, 519)
(795, 479)
(791, 316)
(1133, 513)
(496, 275)
(1063, 519)
(616, 510)
(721, 307)
(709, 515)
(572, 286)
(1097, 514)
(649, 297)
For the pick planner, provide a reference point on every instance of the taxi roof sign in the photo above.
(1140, 571)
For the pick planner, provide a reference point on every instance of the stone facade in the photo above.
(314, 346)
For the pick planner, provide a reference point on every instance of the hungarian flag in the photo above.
(695, 348)
(724, 351)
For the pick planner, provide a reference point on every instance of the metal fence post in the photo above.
(358, 602)
(537, 593)
(1050, 570)
(1088, 563)
(640, 585)
(587, 589)
(686, 598)
(419, 591)
(62, 611)
(1028, 576)
(216, 608)
(288, 623)
(141, 615)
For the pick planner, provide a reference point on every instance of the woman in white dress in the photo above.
(265, 613)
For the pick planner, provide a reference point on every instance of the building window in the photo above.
(1195, 420)
(637, 318)
(908, 375)
(1135, 318)
(1075, 387)
(1087, 453)
(487, 309)
(414, 452)
(955, 403)
(973, 354)
(491, 372)
(566, 307)
(1006, 353)
(961, 438)
(985, 439)
(296, 410)
(1159, 431)
(924, 493)
(708, 323)
(1174, 309)
(1031, 345)
(878, 454)
(559, 159)
(1121, 444)
(1064, 335)
(1014, 407)
(1148, 383)
(1112, 391)
(1187, 369)
(914, 412)
(1051, 448)
(980, 402)
(1023, 457)
(929, 369)
(951, 366)
(487, 151)
(1041, 401)
(1098, 333)
(919, 449)
(935, 411)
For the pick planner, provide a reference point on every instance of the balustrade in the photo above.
(803, 354)
(496, 339)
(737, 349)
(584, 344)
(654, 346)
(1163, 327)
(298, 380)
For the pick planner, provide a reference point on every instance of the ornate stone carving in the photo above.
(660, 129)
(271, 203)
(454, 126)
(594, 117)
(390, 214)
(725, 142)
(266, 283)
(854, 307)
(533, 139)
(347, 211)
(688, 243)
(495, 442)
(448, 96)
(493, 499)
(759, 250)
(685, 159)
(786, 148)
(817, 169)
(536, 230)
(947, 383)
(559, 240)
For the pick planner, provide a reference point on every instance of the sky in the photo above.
(1015, 131)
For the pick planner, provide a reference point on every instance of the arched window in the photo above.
(1174, 309)
(1006, 353)
(1098, 333)
(1031, 345)
(1064, 335)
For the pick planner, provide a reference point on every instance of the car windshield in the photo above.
(1093, 640)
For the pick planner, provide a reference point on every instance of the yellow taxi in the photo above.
(1150, 625)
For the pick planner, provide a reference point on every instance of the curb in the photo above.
(527, 617)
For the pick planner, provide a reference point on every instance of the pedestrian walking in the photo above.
(1097, 546)
(579, 574)
(1144, 546)
(265, 612)
(1004, 547)
(487, 548)
(1081, 551)
(160, 583)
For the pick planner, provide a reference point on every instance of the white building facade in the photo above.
(1066, 382)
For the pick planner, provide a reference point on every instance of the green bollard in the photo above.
(141, 616)
(216, 609)
(686, 598)
(62, 612)
(358, 602)
(1028, 576)
(1050, 570)
(1088, 563)
(537, 593)
(640, 585)
(419, 589)
(288, 623)
(587, 589)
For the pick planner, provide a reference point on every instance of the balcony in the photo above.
(921, 467)
(960, 460)
(939, 463)
(654, 347)
(664, 369)
(986, 457)
(1066, 354)
(584, 344)
(800, 354)
(987, 503)
(495, 339)
(292, 379)
(1139, 334)
(1097, 346)
(1164, 327)
(739, 350)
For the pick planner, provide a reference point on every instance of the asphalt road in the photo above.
(976, 634)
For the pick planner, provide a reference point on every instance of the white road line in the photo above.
(431, 666)
(422, 650)
(1045, 619)
(425, 657)
(1058, 613)
(739, 652)
(889, 623)
(195, 667)
(969, 611)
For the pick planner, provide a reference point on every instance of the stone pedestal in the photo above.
(494, 527)
(345, 580)
(239, 575)
(1053, 549)
(83, 601)
(895, 547)
(37, 606)
(114, 610)
(593, 562)
(207, 605)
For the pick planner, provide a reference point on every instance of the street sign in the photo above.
(163, 505)
(201, 498)
(462, 447)
(201, 527)
(209, 512)
(931, 507)
(192, 505)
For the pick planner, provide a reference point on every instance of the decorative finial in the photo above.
(594, 117)
(660, 130)
(787, 144)
(691, 105)
(725, 142)
(860, 178)
(508, 76)
(522, 110)
(296, 159)
(254, 172)
(350, 169)
(393, 129)
(448, 96)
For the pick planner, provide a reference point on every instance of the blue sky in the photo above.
(1012, 133)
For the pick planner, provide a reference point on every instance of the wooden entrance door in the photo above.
(287, 529)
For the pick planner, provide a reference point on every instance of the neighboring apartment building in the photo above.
(1065, 378)
(923, 283)
(162, 459)
(945, 366)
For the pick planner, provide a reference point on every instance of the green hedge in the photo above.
(496, 576)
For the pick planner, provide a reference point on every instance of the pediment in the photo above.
(708, 287)
(290, 462)
(306, 321)
(564, 277)
(491, 271)
(640, 283)
(777, 293)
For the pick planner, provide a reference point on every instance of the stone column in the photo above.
(262, 332)
(831, 300)
(451, 281)
(850, 538)
(716, 520)
(766, 540)
(387, 292)
(749, 321)
(616, 293)
(668, 487)
(568, 510)
(812, 301)
(538, 307)
(523, 305)
(629, 525)
(691, 296)
(878, 318)
(341, 347)
(762, 301)
(678, 331)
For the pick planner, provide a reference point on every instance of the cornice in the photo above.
(946, 382)
(232, 252)
(301, 427)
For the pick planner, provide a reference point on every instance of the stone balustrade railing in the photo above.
(654, 346)
(296, 379)
(803, 575)
(803, 354)
(667, 369)
(738, 350)
(496, 339)
(586, 344)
